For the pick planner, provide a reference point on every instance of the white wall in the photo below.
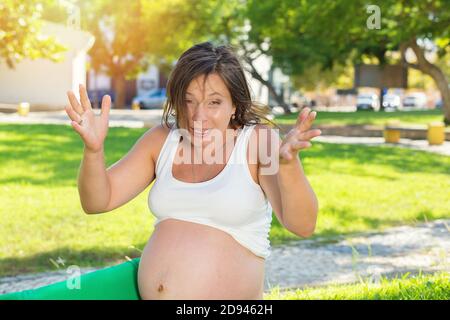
(44, 83)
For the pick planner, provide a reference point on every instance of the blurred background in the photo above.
(377, 73)
(348, 56)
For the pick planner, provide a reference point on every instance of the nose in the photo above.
(199, 115)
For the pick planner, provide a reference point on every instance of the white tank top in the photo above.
(231, 201)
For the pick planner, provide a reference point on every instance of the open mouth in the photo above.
(200, 133)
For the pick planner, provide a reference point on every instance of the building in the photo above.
(44, 83)
(99, 84)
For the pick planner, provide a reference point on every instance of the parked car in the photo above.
(391, 102)
(299, 101)
(417, 100)
(367, 101)
(152, 100)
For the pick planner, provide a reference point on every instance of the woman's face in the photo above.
(209, 107)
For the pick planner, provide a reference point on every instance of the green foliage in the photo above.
(131, 34)
(308, 32)
(20, 33)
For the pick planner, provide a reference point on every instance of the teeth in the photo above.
(201, 132)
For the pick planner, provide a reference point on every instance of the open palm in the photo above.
(91, 128)
(298, 137)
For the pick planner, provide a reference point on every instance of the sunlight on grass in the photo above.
(420, 287)
(359, 189)
(367, 117)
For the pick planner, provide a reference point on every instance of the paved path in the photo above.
(424, 247)
(396, 250)
(148, 118)
(378, 141)
(118, 118)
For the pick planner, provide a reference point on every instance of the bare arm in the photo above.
(105, 190)
(94, 187)
(288, 189)
(300, 204)
(100, 189)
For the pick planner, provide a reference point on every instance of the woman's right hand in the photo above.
(93, 129)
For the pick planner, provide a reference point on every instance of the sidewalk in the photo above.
(422, 145)
(117, 118)
(423, 247)
(148, 118)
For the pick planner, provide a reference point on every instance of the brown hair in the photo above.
(204, 59)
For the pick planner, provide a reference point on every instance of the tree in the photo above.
(20, 33)
(226, 22)
(315, 77)
(308, 32)
(132, 34)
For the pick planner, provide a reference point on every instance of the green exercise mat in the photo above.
(117, 282)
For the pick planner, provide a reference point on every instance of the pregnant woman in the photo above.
(217, 170)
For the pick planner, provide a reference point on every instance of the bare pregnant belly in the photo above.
(186, 260)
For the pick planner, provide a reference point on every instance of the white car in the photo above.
(152, 100)
(367, 101)
(391, 102)
(417, 100)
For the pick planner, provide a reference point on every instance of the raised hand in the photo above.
(91, 128)
(299, 136)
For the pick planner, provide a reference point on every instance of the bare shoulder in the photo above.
(156, 136)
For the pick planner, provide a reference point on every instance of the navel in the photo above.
(160, 288)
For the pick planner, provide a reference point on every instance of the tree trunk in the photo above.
(278, 98)
(381, 90)
(442, 84)
(435, 73)
(119, 91)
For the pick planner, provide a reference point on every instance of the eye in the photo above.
(216, 102)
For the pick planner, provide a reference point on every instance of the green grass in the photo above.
(367, 117)
(359, 188)
(422, 287)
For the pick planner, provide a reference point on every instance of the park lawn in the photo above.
(421, 287)
(421, 117)
(359, 188)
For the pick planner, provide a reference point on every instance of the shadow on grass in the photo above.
(399, 159)
(42, 262)
(100, 257)
(343, 216)
(55, 150)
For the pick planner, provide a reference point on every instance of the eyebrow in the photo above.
(211, 94)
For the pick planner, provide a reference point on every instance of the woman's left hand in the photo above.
(298, 137)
